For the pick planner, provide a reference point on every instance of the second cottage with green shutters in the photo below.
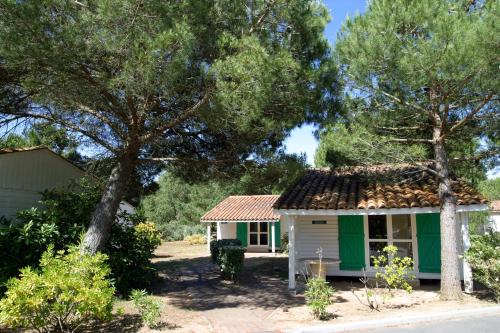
(249, 218)
(351, 213)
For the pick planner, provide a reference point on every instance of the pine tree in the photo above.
(429, 71)
(204, 83)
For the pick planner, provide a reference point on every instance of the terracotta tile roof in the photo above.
(243, 208)
(495, 205)
(371, 187)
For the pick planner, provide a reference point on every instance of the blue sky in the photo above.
(302, 139)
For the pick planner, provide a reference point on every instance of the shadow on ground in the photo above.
(196, 284)
(125, 323)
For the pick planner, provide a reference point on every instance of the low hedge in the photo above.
(229, 255)
(215, 245)
(230, 260)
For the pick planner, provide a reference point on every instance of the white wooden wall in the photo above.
(310, 237)
(23, 175)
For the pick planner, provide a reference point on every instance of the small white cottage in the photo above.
(249, 218)
(25, 173)
(354, 212)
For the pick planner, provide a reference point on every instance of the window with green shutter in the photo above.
(351, 242)
(429, 243)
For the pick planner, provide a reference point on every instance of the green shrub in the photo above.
(393, 272)
(130, 249)
(230, 260)
(484, 258)
(148, 307)
(318, 296)
(67, 291)
(63, 217)
(215, 245)
(284, 243)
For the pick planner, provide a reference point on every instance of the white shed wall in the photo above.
(23, 175)
(227, 230)
(310, 237)
(495, 221)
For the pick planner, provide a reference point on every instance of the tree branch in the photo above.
(468, 117)
(411, 140)
(177, 121)
(263, 16)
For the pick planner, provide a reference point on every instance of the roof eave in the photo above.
(380, 211)
(239, 221)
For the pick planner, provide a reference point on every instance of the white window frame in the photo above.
(258, 232)
(390, 240)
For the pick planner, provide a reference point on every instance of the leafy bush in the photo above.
(67, 291)
(318, 296)
(230, 261)
(284, 243)
(195, 239)
(130, 249)
(484, 258)
(393, 272)
(148, 307)
(215, 246)
(63, 217)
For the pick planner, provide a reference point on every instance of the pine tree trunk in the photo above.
(105, 212)
(450, 272)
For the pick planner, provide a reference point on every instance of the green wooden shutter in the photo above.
(429, 243)
(241, 233)
(277, 234)
(351, 242)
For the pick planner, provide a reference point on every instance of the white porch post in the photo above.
(273, 241)
(219, 231)
(468, 283)
(209, 234)
(291, 252)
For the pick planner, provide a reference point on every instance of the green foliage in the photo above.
(484, 257)
(215, 246)
(356, 143)
(318, 296)
(284, 243)
(480, 222)
(403, 60)
(69, 290)
(148, 307)
(62, 217)
(60, 220)
(490, 188)
(46, 135)
(130, 249)
(209, 81)
(230, 261)
(393, 272)
(176, 208)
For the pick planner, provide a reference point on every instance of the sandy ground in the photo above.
(197, 300)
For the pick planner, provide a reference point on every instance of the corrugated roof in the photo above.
(243, 208)
(371, 187)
